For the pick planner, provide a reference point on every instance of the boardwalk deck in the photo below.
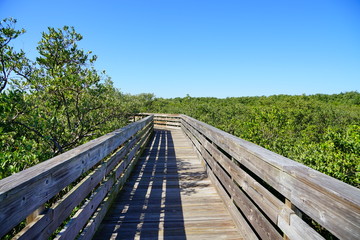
(168, 196)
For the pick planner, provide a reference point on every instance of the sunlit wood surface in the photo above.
(168, 196)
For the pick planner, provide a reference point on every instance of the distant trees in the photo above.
(56, 102)
(59, 100)
(321, 131)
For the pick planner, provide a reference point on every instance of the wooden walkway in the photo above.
(168, 196)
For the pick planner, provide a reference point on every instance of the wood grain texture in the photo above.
(253, 214)
(48, 222)
(239, 220)
(268, 203)
(123, 169)
(164, 120)
(168, 196)
(330, 202)
(23, 192)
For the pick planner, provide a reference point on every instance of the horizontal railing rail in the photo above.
(165, 120)
(270, 196)
(72, 192)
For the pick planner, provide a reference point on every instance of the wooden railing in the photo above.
(163, 120)
(268, 195)
(72, 192)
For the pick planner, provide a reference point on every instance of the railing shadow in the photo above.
(150, 205)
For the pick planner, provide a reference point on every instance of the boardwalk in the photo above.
(168, 196)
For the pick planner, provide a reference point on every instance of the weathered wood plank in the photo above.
(294, 227)
(258, 221)
(78, 221)
(120, 154)
(95, 220)
(168, 190)
(259, 194)
(242, 193)
(62, 209)
(217, 159)
(83, 215)
(239, 220)
(22, 193)
(34, 215)
(338, 210)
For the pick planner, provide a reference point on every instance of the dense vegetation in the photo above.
(59, 100)
(321, 131)
(56, 102)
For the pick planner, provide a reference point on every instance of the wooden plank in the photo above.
(34, 229)
(239, 220)
(263, 198)
(166, 120)
(194, 141)
(160, 115)
(254, 216)
(338, 210)
(34, 215)
(83, 215)
(294, 227)
(64, 207)
(257, 219)
(78, 221)
(173, 196)
(166, 117)
(22, 193)
(96, 219)
(266, 201)
(269, 204)
(120, 154)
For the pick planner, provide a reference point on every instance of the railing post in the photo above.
(34, 214)
(289, 204)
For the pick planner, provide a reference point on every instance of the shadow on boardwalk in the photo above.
(150, 205)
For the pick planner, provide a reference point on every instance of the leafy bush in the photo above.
(321, 131)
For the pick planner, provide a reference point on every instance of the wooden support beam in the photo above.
(34, 214)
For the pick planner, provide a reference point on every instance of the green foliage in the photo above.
(60, 100)
(321, 131)
(10, 60)
(57, 102)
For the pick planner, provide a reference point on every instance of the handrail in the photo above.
(95, 171)
(267, 192)
(268, 195)
(160, 119)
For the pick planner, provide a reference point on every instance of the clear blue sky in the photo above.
(208, 48)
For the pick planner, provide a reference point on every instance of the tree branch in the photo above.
(54, 141)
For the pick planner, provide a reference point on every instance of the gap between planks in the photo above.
(168, 196)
